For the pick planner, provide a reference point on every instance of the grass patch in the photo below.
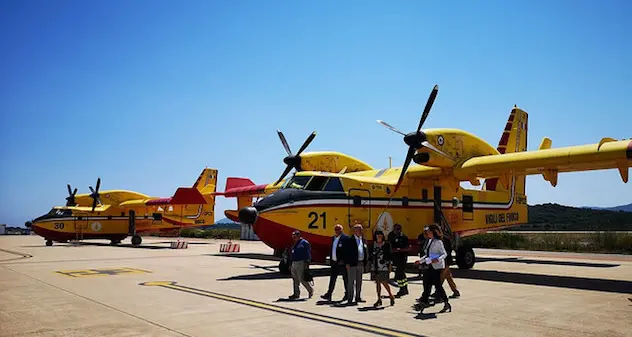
(232, 234)
(598, 242)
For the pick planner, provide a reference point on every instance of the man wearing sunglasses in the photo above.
(336, 262)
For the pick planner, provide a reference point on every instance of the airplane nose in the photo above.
(28, 224)
(248, 215)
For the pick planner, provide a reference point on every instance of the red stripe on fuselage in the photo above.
(65, 236)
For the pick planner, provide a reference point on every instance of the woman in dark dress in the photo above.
(381, 264)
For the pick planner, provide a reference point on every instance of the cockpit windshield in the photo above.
(60, 212)
(297, 182)
(315, 183)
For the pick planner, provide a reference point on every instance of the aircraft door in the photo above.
(359, 207)
(437, 204)
(81, 225)
(132, 222)
(468, 207)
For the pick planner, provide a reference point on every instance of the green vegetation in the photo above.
(598, 242)
(232, 234)
(559, 218)
(554, 217)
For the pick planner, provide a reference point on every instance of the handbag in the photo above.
(307, 276)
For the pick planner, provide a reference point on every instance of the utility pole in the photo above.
(390, 162)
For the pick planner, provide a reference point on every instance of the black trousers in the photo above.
(337, 269)
(399, 262)
(432, 277)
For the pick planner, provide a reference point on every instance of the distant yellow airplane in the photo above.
(331, 187)
(116, 214)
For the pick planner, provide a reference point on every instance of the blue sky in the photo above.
(144, 94)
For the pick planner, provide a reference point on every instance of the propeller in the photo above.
(70, 199)
(95, 195)
(293, 160)
(416, 139)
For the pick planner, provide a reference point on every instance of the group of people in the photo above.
(351, 258)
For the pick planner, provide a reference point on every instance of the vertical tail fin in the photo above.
(513, 139)
(207, 181)
(207, 185)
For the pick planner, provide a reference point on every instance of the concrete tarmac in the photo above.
(95, 289)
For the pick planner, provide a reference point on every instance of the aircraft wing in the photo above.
(608, 154)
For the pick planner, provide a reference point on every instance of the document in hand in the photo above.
(434, 256)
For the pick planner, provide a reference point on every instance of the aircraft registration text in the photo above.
(495, 218)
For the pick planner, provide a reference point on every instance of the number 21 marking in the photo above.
(315, 216)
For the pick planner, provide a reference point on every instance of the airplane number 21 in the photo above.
(315, 216)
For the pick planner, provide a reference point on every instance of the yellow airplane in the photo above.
(116, 214)
(331, 187)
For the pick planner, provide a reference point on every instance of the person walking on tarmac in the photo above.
(301, 256)
(400, 248)
(336, 262)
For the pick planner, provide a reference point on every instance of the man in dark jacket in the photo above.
(355, 259)
(336, 262)
(301, 257)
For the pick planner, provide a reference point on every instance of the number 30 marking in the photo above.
(315, 217)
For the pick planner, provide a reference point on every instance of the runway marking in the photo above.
(101, 272)
(278, 309)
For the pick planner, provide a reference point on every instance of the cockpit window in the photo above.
(316, 184)
(297, 182)
(60, 212)
(334, 185)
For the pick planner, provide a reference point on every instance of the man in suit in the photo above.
(355, 259)
(336, 262)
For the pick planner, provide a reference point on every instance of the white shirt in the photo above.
(333, 249)
(360, 248)
(437, 250)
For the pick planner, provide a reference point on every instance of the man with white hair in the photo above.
(355, 259)
(336, 262)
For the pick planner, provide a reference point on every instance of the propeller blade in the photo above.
(409, 158)
(284, 142)
(390, 127)
(98, 183)
(287, 170)
(307, 142)
(91, 189)
(69, 189)
(433, 148)
(94, 204)
(429, 103)
(74, 192)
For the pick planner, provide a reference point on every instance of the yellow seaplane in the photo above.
(331, 187)
(115, 214)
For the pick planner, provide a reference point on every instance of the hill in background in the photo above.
(624, 208)
(555, 217)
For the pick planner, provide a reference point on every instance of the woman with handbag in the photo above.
(434, 257)
(381, 265)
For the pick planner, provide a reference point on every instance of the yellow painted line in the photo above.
(101, 272)
(292, 312)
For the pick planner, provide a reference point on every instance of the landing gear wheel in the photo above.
(284, 267)
(136, 240)
(465, 257)
(49, 242)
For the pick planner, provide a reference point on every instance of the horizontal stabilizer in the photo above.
(240, 187)
(184, 195)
